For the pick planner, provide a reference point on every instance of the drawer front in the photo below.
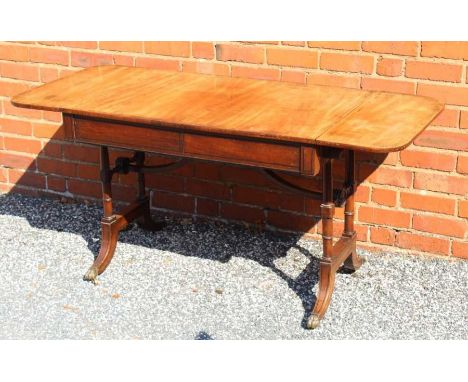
(261, 154)
(126, 136)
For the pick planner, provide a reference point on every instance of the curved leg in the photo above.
(110, 234)
(324, 294)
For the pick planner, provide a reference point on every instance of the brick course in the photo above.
(414, 200)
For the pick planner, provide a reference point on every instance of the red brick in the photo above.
(462, 166)
(392, 218)
(30, 146)
(48, 130)
(80, 153)
(394, 86)
(339, 45)
(203, 67)
(15, 126)
(48, 55)
(261, 42)
(207, 170)
(384, 197)
(333, 80)
(441, 183)
(79, 44)
(122, 46)
(362, 194)
(255, 73)
(385, 175)
(123, 59)
(293, 76)
(203, 50)
(48, 74)
(52, 116)
(292, 222)
(447, 118)
(433, 71)
(441, 226)
(56, 183)
(57, 167)
(443, 140)
(457, 50)
(312, 207)
(302, 58)
(404, 48)
(422, 202)
(17, 161)
(157, 63)
(444, 93)
(464, 120)
(460, 249)
(86, 59)
(390, 67)
(422, 243)
(123, 193)
(14, 52)
(174, 202)
(270, 199)
(84, 188)
(208, 189)
(243, 175)
(463, 208)
(428, 159)
(3, 175)
(207, 207)
(381, 235)
(241, 53)
(347, 63)
(19, 71)
(27, 178)
(242, 213)
(10, 88)
(20, 111)
(166, 182)
(86, 171)
(168, 48)
(293, 43)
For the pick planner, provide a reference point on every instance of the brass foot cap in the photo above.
(313, 321)
(91, 275)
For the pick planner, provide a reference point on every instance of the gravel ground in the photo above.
(207, 281)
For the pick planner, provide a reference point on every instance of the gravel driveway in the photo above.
(207, 281)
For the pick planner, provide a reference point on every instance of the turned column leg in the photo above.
(353, 262)
(109, 228)
(327, 273)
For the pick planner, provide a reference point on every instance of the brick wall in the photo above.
(414, 200)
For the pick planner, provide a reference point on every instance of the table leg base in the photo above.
(344, 252)
(111, 227)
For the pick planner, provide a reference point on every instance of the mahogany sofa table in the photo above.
(275, 126)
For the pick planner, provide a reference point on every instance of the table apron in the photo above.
(270, 154)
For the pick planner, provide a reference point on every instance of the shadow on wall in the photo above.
(67, 171)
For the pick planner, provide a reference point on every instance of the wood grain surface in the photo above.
(323, 115)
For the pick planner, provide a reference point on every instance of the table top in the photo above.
(322, 115)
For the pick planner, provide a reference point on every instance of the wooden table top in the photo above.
(323, 115)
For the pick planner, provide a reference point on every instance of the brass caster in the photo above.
(313, 321)
(91, 275)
